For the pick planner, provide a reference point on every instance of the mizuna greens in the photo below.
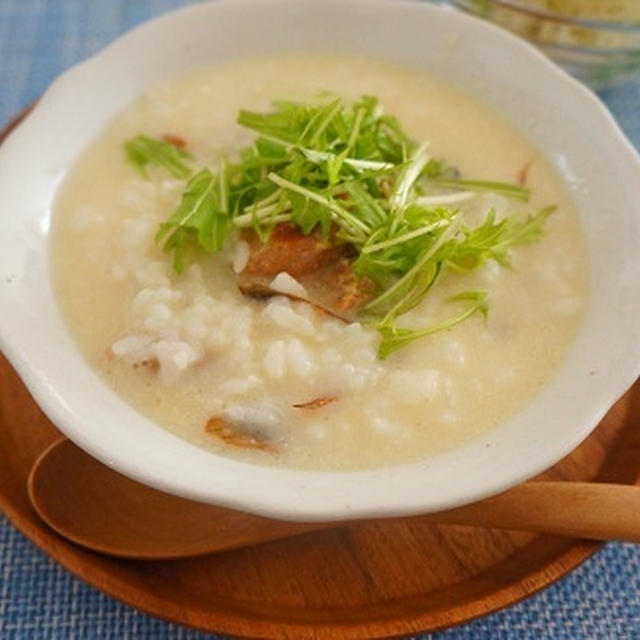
(350, 170)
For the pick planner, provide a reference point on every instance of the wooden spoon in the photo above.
(96, 507)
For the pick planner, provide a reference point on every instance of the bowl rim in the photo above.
(561, 18)
(302, 495)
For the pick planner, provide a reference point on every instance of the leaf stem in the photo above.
(416, 233)
(336, 209)
(447, 234)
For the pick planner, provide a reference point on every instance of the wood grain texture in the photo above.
(375, 580)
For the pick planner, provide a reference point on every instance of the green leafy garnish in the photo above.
(492, 240)
(394, 338)
(351, 172)
(142, 151)
(202, 216)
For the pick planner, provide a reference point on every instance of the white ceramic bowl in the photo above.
(566, 121)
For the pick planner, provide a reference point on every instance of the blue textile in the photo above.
(41, 601)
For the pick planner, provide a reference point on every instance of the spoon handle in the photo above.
(596, 511)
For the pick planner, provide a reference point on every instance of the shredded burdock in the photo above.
(316, 403)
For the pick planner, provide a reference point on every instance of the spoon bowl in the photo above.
(99, 508)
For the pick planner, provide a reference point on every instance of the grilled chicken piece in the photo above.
(288, 249)
(323, 269)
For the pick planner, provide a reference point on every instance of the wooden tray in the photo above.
(374, 580)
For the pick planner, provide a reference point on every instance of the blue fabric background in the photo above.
(41, 601)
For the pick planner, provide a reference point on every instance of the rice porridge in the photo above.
(194, 354)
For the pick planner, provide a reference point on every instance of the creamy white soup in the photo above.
(276, 380)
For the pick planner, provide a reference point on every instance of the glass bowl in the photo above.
(598, 41)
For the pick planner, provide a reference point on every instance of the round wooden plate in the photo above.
(372, 580)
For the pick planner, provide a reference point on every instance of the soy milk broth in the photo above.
(182, 349)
